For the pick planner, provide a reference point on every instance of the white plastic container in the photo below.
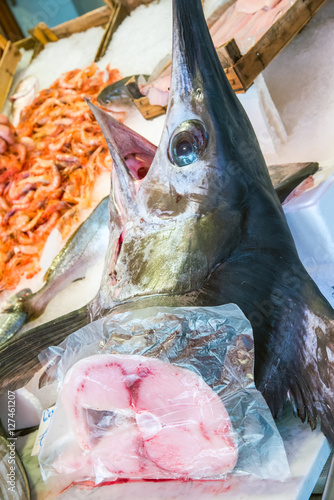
(310, 216)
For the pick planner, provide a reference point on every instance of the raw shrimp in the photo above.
(49, 169)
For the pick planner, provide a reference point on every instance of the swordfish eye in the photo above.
(187, 143)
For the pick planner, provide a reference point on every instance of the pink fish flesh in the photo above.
(157, 90)
(245, 21)
(158, 97)
(228, 25)
(259, 24)
(252, 6)
(301, 189)
(138, 417)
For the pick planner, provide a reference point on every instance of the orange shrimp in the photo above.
(25, 202)
(27, 142)
(3, 203)
(70, 80)
(19, 150)
(32, 223)
(26, 249)
(67, 158)
(48, 174)
(17, 189)
(47, 226)
(59, 142)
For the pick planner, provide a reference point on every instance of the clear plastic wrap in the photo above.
(162, 393)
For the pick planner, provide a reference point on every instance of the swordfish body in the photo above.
(202, 226)
(205, 227)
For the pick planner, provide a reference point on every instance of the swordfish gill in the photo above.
(198, 223)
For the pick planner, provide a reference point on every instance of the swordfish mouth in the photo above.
(163, 236)
(196, 221)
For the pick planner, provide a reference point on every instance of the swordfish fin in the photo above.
(19, 357)
(299, 172)
(302, 366)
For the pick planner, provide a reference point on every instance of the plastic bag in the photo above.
(175, 398)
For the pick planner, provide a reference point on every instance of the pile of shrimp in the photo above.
(48, 174)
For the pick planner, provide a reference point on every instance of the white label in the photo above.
(42, 430)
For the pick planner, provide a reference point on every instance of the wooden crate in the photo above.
(133, 4)
(9, 59)
(241, 70)
(97, 17)
(109, 16)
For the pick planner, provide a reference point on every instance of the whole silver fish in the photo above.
(14, 483)
(86, 245)
(119, 95)
(204, 227)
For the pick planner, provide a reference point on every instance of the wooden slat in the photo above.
(38, 47)
(3, 42)
(48, 33)
(116, 18)
(43, 34)
(229, 53)
(249, 66)
(111, 4)
(38, 35)
(96, 17)
(131, 5)
(147, 110)
(8, 64)
(26, 43)
(234, 80)
(9, 25)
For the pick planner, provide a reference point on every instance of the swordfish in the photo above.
(203, 226)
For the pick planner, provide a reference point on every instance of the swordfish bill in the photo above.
(209, 229)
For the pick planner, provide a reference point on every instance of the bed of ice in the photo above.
(291, 106)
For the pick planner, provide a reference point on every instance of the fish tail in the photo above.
(14, 314)
(21, 308)
(301, 367)
(10, 324)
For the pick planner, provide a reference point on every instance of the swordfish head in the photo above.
(174, 226)
(196, 221)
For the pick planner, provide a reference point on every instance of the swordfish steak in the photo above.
(205, 227)
(156, 429)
